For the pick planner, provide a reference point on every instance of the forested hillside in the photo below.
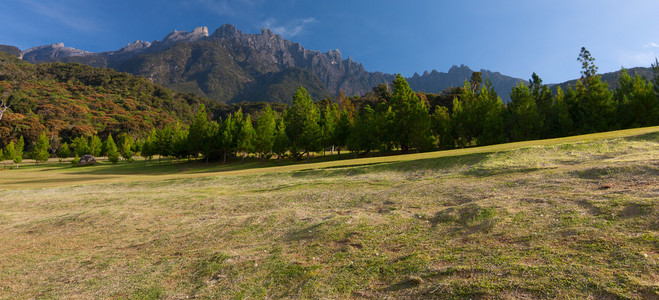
(76, 104)
(70, 100)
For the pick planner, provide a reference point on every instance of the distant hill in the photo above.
(434, 82)
(611, 78)
(74, 99)
(231, 66)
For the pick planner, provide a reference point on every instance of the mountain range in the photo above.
(231, 66)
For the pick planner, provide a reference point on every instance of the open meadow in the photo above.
(572, 218)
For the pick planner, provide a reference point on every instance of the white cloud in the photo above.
(61, 13)
(652, 45)
(289, 29)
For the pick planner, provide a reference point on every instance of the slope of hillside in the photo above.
(74, 99)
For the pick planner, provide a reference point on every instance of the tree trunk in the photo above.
(307, 156)
(224, 162)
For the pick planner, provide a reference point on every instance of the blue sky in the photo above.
(513, 37)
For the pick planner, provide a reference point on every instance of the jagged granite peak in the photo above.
(227, 30)
(225, 65)
(184, 36)
(135, 46)
(51, 52)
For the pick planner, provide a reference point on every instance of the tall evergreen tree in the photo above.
(163, 142)
(40, 151)
(246, 137)
(280, 145)
(441, 126)
(111, 148)
(179, 142)
(18, 151)
(126, 148)
(63, 152)
(411, 119)
(524, 121)
(81, 146)
(10, 151)
(266, 127)
(302, 126)
(95, 145)
(637, 104)
(198, 132)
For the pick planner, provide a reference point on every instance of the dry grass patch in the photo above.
(573, 220)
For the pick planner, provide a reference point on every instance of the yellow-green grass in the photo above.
(546, 219)
(58, 174)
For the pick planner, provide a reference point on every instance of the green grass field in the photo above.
(567, 218)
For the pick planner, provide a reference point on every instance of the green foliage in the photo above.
(179, 142)
(477, 117)
(81, 146)
(637, 104)
(111, 148)
(246, 136)
(411, 121)
(302, 126)
(441, 127)
(198, 131)
(126, 148)
(40, 151)
(63, 152)
(95, 145)
(365, 135)
(75, 160)
(588, 68)
(10, 152)
(524, 121)
(281, 142)
(18, 151)
(265, 134)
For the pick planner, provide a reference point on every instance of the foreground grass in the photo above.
(573, 220)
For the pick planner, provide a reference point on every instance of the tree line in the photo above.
(387, 119)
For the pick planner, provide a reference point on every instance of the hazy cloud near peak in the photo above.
(289, 29)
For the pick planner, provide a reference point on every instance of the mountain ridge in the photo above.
(234, 61)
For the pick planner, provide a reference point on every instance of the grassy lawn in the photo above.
(565, 218)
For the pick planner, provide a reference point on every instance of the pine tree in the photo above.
(40, 151)
(9, 152)
(111, 148)
(95, 145)
(523, 118)
(198, 131)
(329, 120)
(637, 105)
(280, 145)
(442, 127)
(266, 127)
(163, 142)
(179, 142)
(208, 145)
(126, 148)
(81, 146)
(302, 126)
(18, 151)
(411, 120)
(246, 137)
(63, 152)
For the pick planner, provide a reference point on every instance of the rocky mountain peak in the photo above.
(51, 52)
(184, 36)
(227, 31)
